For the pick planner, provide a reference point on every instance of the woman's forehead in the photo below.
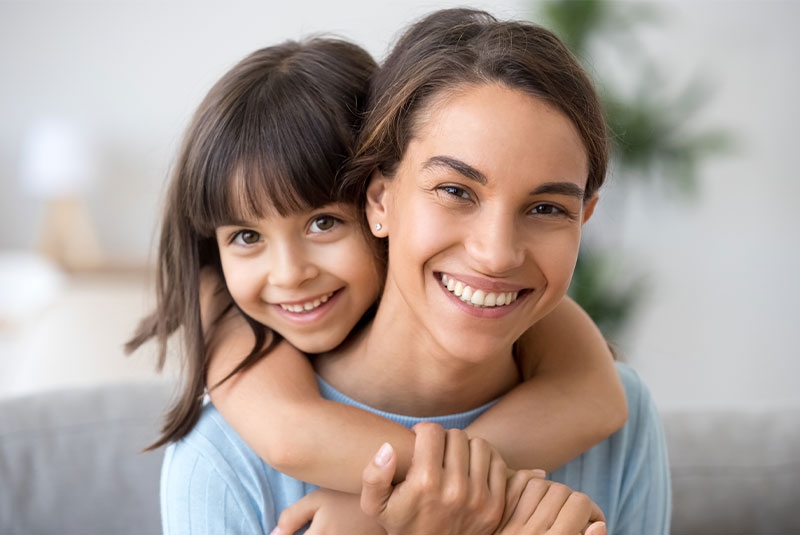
(499, 131)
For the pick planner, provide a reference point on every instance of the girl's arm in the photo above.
(276, 407)
(572, 397)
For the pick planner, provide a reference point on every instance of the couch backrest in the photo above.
(70, 461)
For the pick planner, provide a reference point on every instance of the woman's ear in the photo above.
(588, 208)
(378, 196)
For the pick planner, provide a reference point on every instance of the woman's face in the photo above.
(484, 217)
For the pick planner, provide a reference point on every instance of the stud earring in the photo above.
(378, 227)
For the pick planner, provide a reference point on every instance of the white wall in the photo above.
(718, 325)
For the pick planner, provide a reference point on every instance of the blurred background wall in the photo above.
(717, 316)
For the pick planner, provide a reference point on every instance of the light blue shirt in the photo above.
(213, 483)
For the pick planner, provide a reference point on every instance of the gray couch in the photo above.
(69, 464)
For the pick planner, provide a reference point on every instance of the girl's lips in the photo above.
(309, 316)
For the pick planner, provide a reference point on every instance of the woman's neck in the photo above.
(394, 365)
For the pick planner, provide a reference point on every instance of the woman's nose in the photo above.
(494, 246)
(290, 266)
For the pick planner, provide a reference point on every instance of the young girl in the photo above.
(254, 205)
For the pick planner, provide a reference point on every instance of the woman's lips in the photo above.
(481, 302)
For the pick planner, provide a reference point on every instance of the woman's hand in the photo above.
(535, 506)
(454, 486)
(330, 513)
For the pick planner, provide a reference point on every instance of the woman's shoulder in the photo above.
(628, 473)
(641, 406)
(212, 446)
(206, 481)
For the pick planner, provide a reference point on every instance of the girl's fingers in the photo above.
(376, 481)
(514, 486)
(297, 515)
(532, 494)
(550, 507)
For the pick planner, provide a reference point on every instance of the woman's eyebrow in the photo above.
(554, 188)
(458, 166)
(559, 188)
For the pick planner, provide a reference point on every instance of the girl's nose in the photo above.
(290, 266)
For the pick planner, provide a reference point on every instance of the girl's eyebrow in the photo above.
(235, 222)
(458, 166)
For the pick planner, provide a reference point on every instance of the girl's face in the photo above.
(484, 218)
(309, 276)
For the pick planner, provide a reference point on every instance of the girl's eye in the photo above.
(246, 237)
(547, 209)
(455, 191)
(322, 223)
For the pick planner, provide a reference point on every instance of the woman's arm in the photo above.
(572, 397)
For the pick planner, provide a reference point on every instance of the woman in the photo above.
(480, 161)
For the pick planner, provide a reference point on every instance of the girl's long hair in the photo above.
(272, 134)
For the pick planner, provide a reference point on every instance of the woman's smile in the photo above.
(483, 299)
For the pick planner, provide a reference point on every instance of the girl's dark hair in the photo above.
(453, 48)
(272, 134)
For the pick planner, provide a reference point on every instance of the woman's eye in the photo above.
(455, 191)
(547, 209)
(246, 237)
(323, 223)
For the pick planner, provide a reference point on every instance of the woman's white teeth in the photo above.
(479, 298)
(308, 306)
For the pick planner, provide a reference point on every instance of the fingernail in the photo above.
(538, 472)
(597, 528)
(384, 454)
(276, 531)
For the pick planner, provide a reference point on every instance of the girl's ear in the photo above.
(378, 196)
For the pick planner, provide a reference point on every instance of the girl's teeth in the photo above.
(478, 297)
(310, 305)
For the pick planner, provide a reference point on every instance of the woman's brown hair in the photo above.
(454, 48)
(272, 134)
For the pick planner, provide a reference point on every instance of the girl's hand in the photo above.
(330, 513)
(535, 506)
(454, 486)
